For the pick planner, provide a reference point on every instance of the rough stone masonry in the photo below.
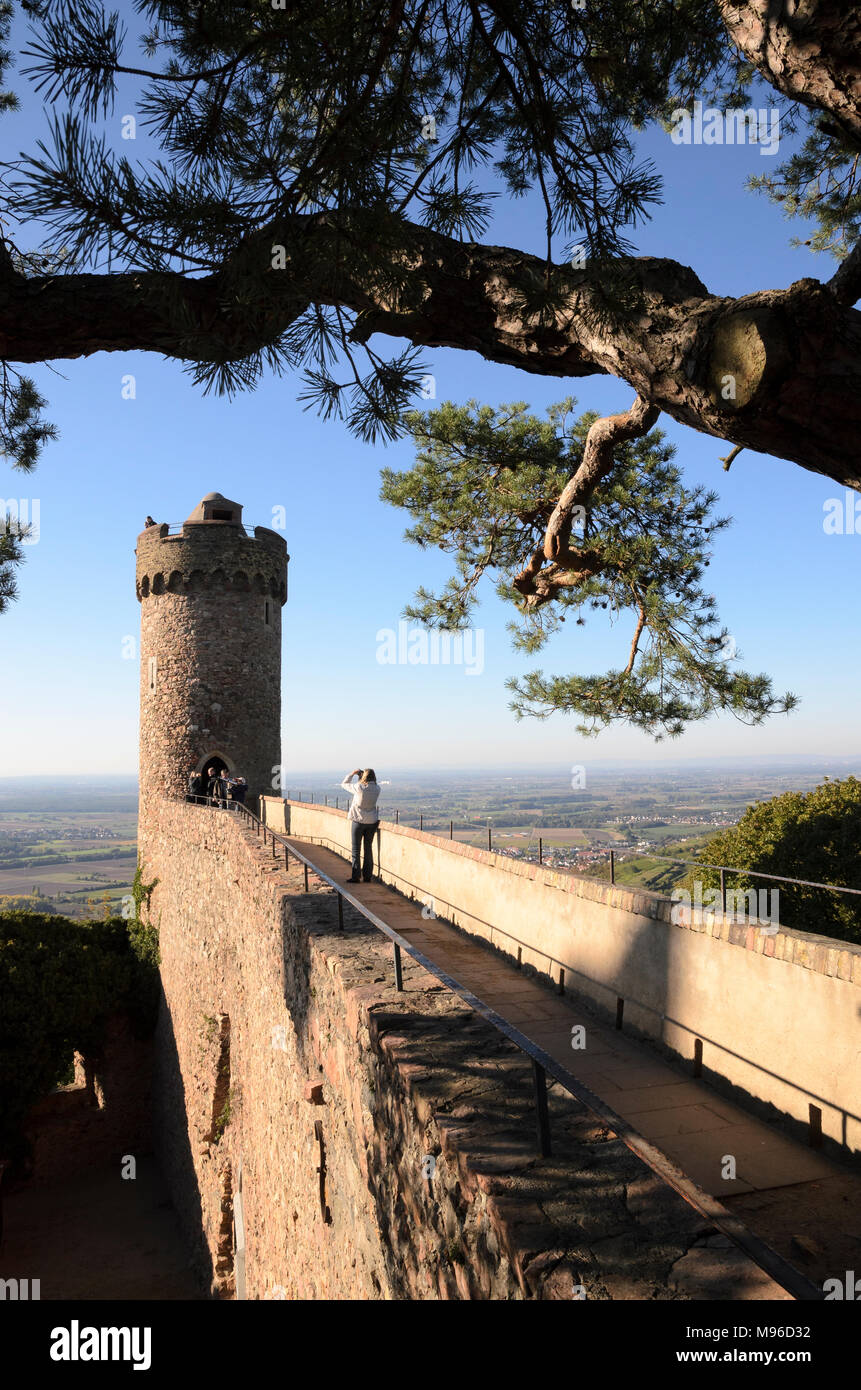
(384, 1142)
(210, 681)
(325, 1136)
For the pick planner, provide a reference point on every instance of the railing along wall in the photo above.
(696, 987)
(543, 1064)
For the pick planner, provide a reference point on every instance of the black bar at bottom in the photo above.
(539, 1077)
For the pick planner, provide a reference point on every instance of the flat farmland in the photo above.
(74, 889)
(520, 838)
(58, 860)
(80, 877)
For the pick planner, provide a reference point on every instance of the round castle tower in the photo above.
(211, 601)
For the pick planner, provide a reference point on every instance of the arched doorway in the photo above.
(214, 760)
(214, 765)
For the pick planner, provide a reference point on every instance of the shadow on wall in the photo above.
(173, 1148)
(647, 964)
(296, 986)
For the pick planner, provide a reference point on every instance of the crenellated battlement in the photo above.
(215, 555)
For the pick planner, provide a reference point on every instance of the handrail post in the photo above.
(305, 867)
(539, 1079)
(723, 891)
(397, 817)
(399, 975)
(540, 850)
(489, 840)
(612, 866)
(451, 830)
(340, 912)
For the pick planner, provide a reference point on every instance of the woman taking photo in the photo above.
(364, 819)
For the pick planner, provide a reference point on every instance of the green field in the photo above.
(66, 861)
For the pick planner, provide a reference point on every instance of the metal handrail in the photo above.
(174, 528)
(754, 873)
(762, 1254)
(669, 859)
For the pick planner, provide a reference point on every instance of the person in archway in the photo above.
(195, 785)
(364, 819)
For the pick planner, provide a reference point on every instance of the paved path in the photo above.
(97, 1236)
(683, 1116)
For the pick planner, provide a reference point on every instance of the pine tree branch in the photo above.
(568, 567)
(808, 52)
(597, 462)
(744, 370)
(641, 623)
(845, 283)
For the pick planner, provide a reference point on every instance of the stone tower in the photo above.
(211, 600)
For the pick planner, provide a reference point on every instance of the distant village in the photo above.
(586, 856)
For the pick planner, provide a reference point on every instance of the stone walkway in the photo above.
(684, 1117)
(97, 1236)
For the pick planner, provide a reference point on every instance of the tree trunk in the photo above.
(778, 371)
(809, 50)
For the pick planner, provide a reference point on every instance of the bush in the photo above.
(813, 835)
(59, 983)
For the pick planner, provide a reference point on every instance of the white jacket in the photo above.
(364, 804)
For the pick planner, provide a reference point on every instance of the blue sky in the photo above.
(68, 700)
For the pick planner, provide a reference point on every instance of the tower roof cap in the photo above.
(216, 507)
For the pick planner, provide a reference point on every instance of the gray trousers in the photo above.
(362, 842)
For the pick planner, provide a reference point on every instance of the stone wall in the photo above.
(211, 621)
(327, 1137)
(682, 981)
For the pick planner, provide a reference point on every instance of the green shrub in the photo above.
(59, 983)
(812, 835)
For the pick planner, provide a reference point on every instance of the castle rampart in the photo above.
(368, 1143)
(683, 982)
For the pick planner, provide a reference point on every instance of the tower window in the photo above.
(152, 671)
(266, 612)
(222, 516)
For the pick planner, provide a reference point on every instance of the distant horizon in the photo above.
(454, 769)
